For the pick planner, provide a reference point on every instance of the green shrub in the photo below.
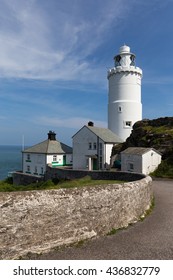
(165, 169)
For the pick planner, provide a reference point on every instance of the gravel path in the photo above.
(150, 239)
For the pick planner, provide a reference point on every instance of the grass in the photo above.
(7, 186)
(148, 211)
(159, 129)
(114, 230)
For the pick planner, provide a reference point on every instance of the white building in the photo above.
(140, 160)
(36, 158)
(124, 104)
(92, 147)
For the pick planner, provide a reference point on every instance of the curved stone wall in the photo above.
(36, 221)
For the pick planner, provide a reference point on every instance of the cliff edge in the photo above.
(157, 134)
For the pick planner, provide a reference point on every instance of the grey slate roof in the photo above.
(138, 151)
(49, 147)
(104, 133)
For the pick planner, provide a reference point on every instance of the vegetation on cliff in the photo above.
(157, 134)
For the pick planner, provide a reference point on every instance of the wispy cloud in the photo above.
(159, 80)
(55, 41)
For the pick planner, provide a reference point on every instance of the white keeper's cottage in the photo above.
(140, 160)
(52, 152)
(92, 147)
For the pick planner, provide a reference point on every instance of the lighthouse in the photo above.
(124, 97)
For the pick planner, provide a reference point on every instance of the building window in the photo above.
(54, 157)
(28, 157)
(95, 146)
(90, 146)
(35, 172)
(28, 169)
(131, 166)
(128, 124)
(41, 170)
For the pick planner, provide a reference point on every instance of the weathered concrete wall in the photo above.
(36, 221)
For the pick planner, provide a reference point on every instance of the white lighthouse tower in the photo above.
(124, 105)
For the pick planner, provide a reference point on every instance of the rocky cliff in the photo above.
(156, 133)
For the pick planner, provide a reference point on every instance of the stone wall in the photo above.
(20, 178)
(36, 221)
(95, 174)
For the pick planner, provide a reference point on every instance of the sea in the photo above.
(10, 160)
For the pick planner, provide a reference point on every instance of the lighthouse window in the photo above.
(128, 123)
(119, 109)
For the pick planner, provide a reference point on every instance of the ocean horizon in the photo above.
(10, 159)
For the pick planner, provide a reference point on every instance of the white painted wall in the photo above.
(59, 159)
(145, 163)
(124, 104)
(37, 163)
(108, 150)
(131, 163)
(150, 162)
(82, 153)
(69, 159)
(81, 148)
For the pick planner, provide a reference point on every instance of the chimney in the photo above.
(90, 123)
(51, 135)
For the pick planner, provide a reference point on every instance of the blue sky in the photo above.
(54, 57)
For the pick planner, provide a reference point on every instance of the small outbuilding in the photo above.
(140, 160)
(36, 158)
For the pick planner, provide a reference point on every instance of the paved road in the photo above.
(150, 239)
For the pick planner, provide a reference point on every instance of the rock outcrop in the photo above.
(156, 133)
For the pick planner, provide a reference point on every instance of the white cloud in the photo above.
(159, 80)
(51, 40)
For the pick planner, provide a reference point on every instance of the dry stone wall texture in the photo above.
(37, 221)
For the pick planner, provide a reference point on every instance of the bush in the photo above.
(165, 169)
